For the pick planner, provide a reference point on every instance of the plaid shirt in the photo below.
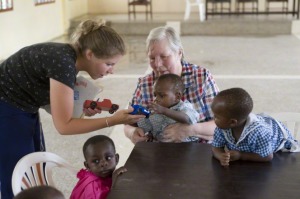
(200, 89)
(261, 135)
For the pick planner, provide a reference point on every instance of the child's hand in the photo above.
(118, 172)
(234, 155)
(225, 158)
(149, 137)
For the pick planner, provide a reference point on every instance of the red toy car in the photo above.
(105, 105)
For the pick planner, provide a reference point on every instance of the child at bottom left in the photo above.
(100, 171)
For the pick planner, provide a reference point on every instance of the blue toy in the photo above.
(140, 110)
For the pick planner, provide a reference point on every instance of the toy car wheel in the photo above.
(93, 105)
(111, 111)
(114, 107)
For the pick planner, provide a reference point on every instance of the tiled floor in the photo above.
(268, 67)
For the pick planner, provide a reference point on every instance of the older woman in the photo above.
(166, 55)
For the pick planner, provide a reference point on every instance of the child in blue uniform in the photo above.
(242, 135)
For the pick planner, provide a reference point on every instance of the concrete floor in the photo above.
(268, 67)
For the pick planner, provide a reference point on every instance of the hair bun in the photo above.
(91, 25)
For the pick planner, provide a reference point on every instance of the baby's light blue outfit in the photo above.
(156, 123)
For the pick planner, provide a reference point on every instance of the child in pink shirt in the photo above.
(100, 162)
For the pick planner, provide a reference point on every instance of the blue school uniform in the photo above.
(262, 135)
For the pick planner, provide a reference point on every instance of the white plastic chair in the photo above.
(291, 120)
(189, 4)
(35, 169)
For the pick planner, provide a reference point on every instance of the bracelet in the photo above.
(107, 125)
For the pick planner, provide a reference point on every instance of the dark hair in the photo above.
(97, 139)
(237, 102)
(102, 40)
(45, 192)
(173, 79)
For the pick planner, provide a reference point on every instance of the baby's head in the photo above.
(168, 90)
(100, 155)
(231, 107)
(45, 192)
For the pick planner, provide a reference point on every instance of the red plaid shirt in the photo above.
(200, 89)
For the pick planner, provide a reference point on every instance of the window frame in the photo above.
(8, 2)
(43, 2)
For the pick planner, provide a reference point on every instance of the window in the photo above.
(41, 2)
(6, 5)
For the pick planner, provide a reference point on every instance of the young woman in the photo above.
(44, 74)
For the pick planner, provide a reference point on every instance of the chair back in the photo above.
(35, 169)
(132, 7)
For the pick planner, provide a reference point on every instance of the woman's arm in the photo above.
(178, 132)
(62, 102)
(135, 134)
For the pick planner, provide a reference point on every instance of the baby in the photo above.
(100, 162)
(242, 135)
(168, 108)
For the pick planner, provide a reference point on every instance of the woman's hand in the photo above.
(91, 112)
(176, 132)
(138, 136)
(124, 117)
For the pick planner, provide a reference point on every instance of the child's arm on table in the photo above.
(238, 155)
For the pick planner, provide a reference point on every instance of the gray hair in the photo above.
(168, 33)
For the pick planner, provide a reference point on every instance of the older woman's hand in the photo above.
(139, 136)
(176, 132)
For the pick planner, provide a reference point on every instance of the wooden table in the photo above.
(188, 170)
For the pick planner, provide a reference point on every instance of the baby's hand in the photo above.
(149, 137)
(225, 158)
(156, 108)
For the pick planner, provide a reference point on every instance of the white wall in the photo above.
(73, 9)
(27, 24)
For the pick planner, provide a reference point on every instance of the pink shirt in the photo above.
(90, 186)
